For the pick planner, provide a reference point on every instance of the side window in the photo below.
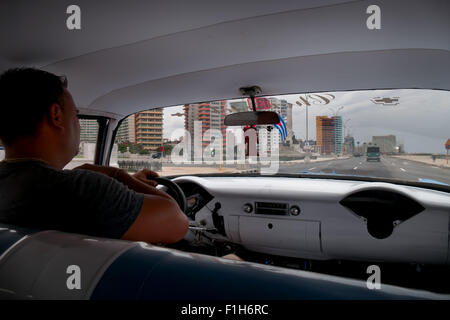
(88, 140)
(139, 142)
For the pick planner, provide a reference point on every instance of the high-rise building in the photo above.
(148, 127)
(337, 134)
(238, 106)
(329, 134)
(386, 143)
(127, 130)
(88, 130)
(211, 115)
(324, 134)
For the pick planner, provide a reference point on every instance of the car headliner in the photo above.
(136, 55)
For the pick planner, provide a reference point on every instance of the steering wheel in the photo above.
(174, 190)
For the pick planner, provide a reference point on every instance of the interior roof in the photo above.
(135, 55)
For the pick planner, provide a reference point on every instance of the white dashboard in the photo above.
(321, 219)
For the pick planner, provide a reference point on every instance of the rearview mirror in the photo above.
(252, 118)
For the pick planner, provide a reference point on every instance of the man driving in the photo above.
(40, 131)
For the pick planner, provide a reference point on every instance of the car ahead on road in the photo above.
(156, 155)
(306, 228)
(373, 154)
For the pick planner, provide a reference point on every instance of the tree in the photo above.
(168, 148)
(136, 148)
(123, 147)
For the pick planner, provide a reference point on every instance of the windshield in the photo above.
(396, 134)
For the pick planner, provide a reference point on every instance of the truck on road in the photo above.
(373, 154)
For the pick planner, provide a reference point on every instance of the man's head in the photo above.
(37, 108)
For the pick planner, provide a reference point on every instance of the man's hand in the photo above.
(143, 176)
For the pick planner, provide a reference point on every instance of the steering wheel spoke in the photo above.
(173, 190)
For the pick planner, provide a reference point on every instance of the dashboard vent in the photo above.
(271, 208)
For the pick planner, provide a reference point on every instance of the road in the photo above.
(388, 167)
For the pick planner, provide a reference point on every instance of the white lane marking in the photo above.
(360, 163)
(355, 168)
(312, 168)
(402, 169)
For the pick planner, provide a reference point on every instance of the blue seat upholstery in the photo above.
(117, 269)
(149, 272)
(9, 235)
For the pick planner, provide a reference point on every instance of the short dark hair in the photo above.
(26, 95)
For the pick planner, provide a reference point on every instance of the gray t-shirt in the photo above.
(34, 194)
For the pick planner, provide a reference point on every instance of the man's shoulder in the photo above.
(40, 171)
(28, 168)
(88, 177)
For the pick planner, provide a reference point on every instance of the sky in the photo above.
(420, 121)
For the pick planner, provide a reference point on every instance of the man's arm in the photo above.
(127, 179)
(160, 218)
(159, 221)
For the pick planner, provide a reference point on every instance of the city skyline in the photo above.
(419, 121)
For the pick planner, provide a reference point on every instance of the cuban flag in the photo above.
(281, 126)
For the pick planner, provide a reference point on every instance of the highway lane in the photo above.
(388, 167)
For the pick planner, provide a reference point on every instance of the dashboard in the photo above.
(320, 219)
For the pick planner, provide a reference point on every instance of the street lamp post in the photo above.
(306, 145)
(307, 120)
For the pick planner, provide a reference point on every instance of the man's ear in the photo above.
(55, 116)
